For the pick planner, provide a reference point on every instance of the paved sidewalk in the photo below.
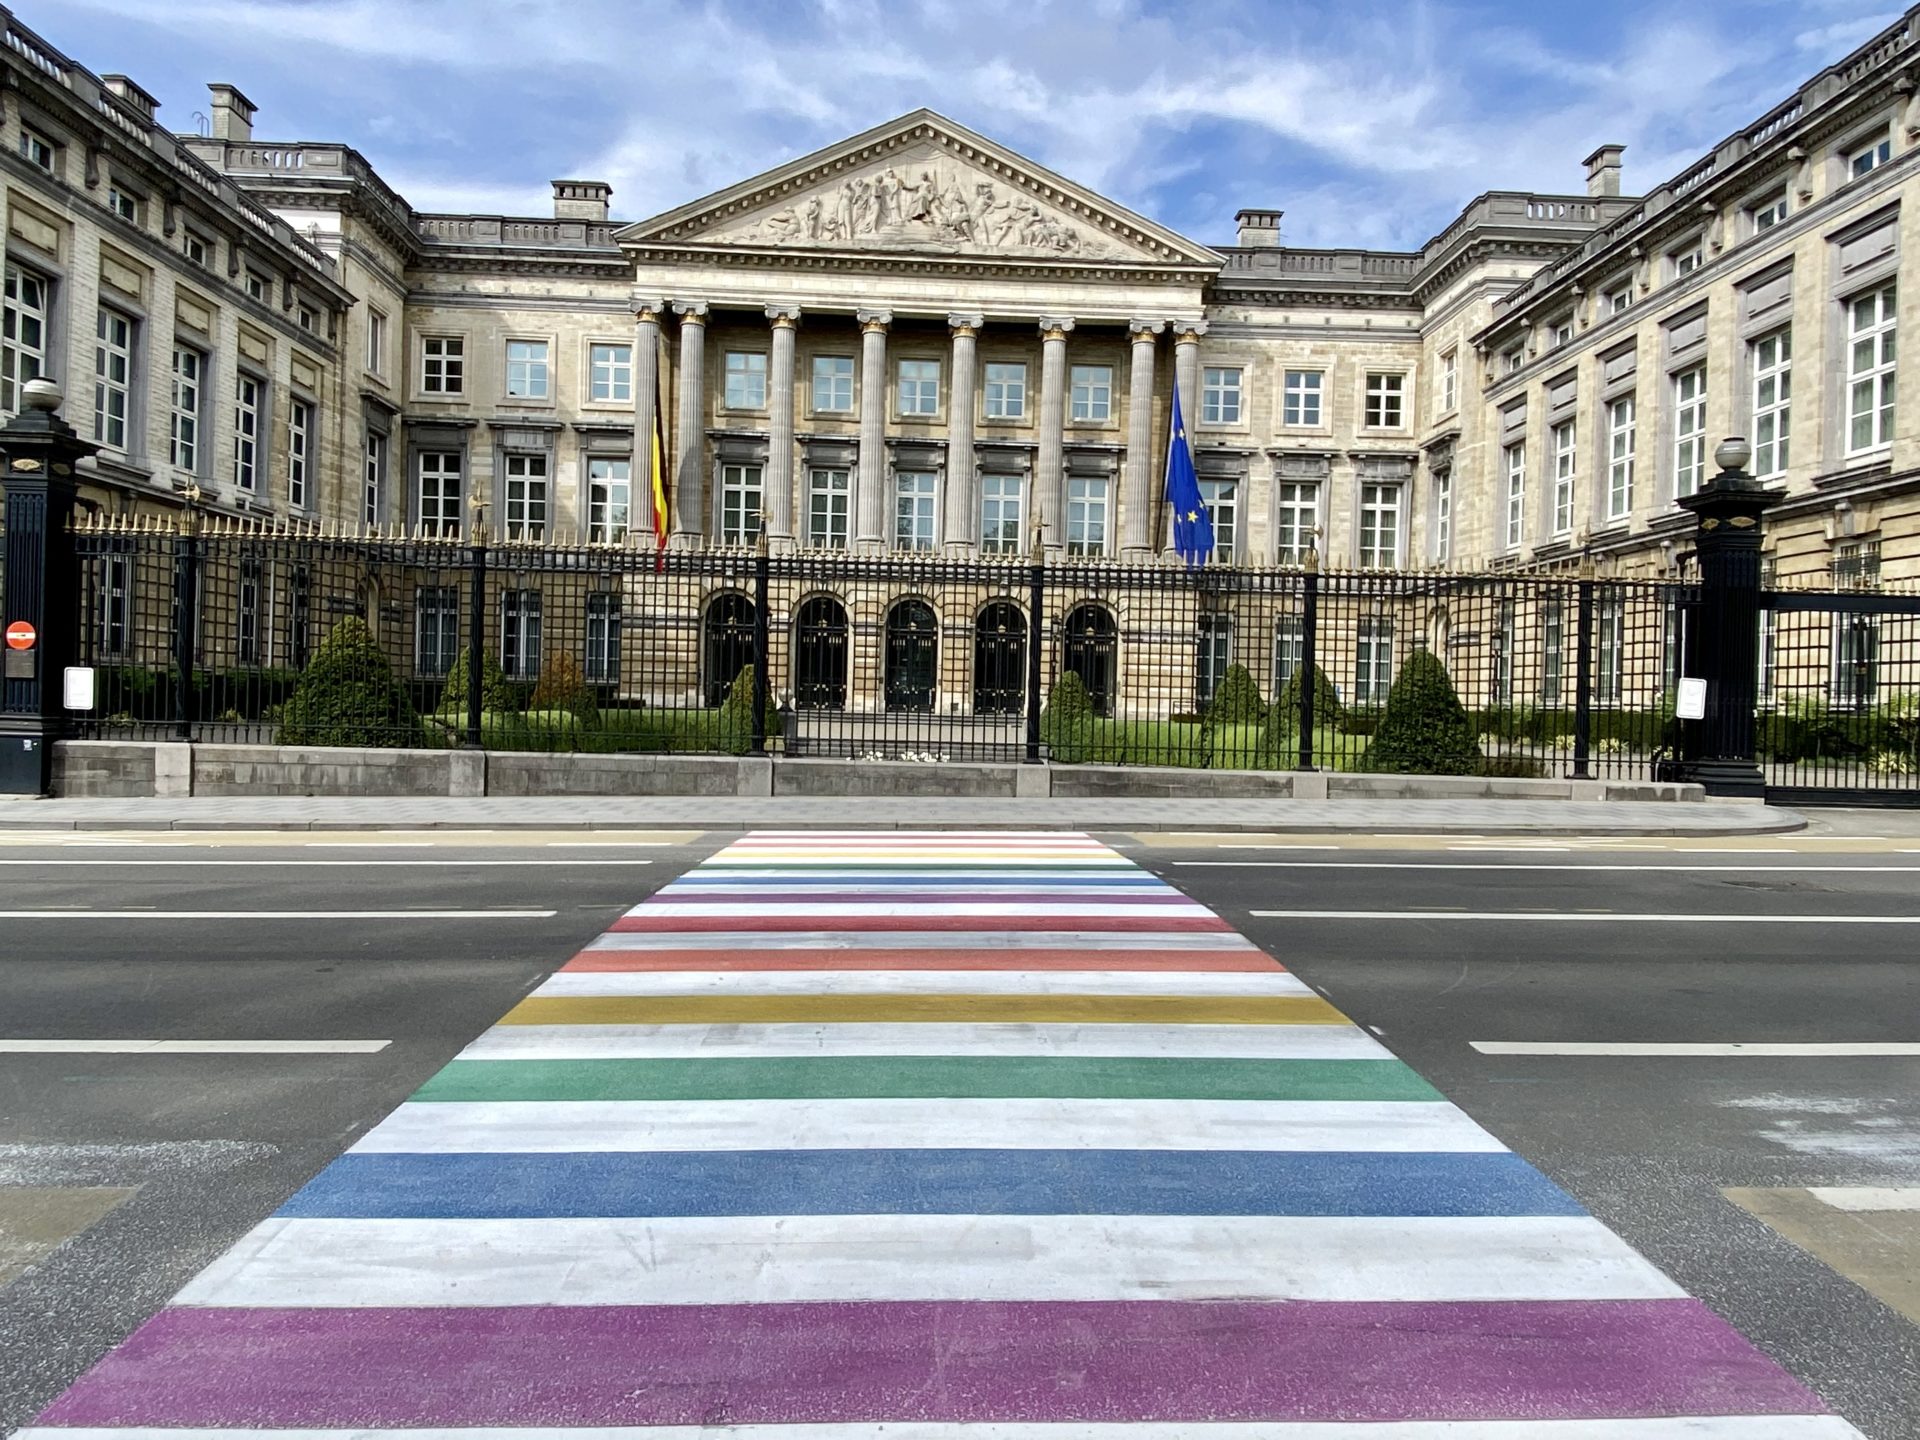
(728, 812)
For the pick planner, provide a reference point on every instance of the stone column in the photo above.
(963, 468)
(1049, 479)
(690, 429)
(1136, 501)
(646, 396)
(1186, 378)
(870, 496)
(779, 481)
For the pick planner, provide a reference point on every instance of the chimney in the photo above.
(1260, 228)
(232, 114)
(126, 90)
(581, 199)
(1603, 170)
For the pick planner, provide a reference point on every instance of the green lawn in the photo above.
(1187, 744)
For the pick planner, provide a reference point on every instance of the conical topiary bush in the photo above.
(347, 695)
(1425, 730)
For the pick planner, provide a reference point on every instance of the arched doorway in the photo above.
(1089, 651)
(999, 659)
(726, 644)
(913, 653)
(820, 655)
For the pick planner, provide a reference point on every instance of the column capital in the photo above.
(1187, 332)
(1055, 327)
(647, 308)
(1145, 329)
(966, 324)
(784, 317)
(871, 320)
(691, 312)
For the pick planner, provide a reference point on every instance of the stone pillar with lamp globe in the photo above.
(1723, 647)
(38, 451)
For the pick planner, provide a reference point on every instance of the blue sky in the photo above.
(1370, 122)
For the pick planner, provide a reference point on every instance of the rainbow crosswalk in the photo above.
(932, 1136)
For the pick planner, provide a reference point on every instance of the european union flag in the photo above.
(1192, 526)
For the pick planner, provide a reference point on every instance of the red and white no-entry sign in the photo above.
(21, 635)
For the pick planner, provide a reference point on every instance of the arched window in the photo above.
(726, 644)
(913, 654)
(820, 655)
(999, 659)
(1090, 651)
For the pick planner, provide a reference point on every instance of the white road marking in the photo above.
(924, 982)
(1867, 1197)
(605, 844)
(369, 844)
(1547, 865)
(192, 1047)
(277, 914)
(1775, 1048)
(1609, 915)
(1249, 846)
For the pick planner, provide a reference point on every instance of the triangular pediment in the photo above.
(921, 187)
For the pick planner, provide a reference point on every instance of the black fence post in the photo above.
(1583, 676)
(1036, 637)
(186, 616)
(476, 627)
(762, 568)
(1309, 656)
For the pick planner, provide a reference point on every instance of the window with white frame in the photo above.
(1088, 498)
(1373, 660)
(1560, 332)
(373, 479)
(520, 634)
(1000, 497)
(529, 372)
(1616, 300)
(436, 630)
(833, 384)
(439, 474)
(1289, 651)
(1689, 430)
(1563, 437)
(1869, 155)
(1620, 447)
(1379, 526)
(306, 317)
(828, 489)
(23, 334)
(376, 342)
(300, 436)
(919, 387)
(609, 499)
(1443, 516)
(603, 637)
(1212, 654)
(112, 378)
(913, 499)
(248, 395)
(1870, 370)
(257, 286)
(610, 374)
(746, 380)
(113, 613)
(1296, 519)
(36, 149)
(1516, 472)
(1300, 398)
(741, 497)
(1220, 394)
(1610, 646)
(196, 247)
(526, 496)
(1553, 648)
(1004, 396)
(1385, 405)
(246, 608)
(443, 365)
(189, 372)
(1449, 382)
(1222, 499)
(1856, 661)
(1767, 212)
(1514, 359)
(1504, 639)
(124, 203)
(1091, 393)
(1771, 359)
(1687, 259)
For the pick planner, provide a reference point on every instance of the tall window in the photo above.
(1289, 650)
(827, 492)
(1386, 395)
(609, 500)
(913, 511)
(1300, 398)
(112, 378)
(1220, 394)
(1870, 370)
(373, 479)
(740, 502)
(299, 617)
(1379, 526)
(1564, 464)
(528, 374)
(1503, 648)
(440, 493)
(189, 368)
(1443, 517)
(746, 380)
(603, 637)
(436, 629)
(1870, 155)
(1772, 357)
(1689, 430)
(1092, 393)
(526, 497)
(1212, 653)
(610, 373)
(1006, 392)
(1087, 500)
(1620, 458)
(246, 616)
(919, 387)
(520, 634)
(1516, 467)
(1297, 517)
(23, 349)
(376, 342)
(443, 365)
(1610, 644)
(1222, 499)
(1373, 660)
(299, 452)
(247, 393)
(833, 384)
(1449, 382)
(1000, 514)
(114, 618)
(1553, 648)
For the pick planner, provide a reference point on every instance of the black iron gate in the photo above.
(913, 641)
(1000, 660)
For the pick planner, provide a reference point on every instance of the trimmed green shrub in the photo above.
(1236, 700)
(563, 687)
(1067, 719)
(348, 696)
(1425, 729)
(497, 692)
(736, 714)
(1285, 712)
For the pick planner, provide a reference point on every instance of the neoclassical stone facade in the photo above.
(918, 339)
